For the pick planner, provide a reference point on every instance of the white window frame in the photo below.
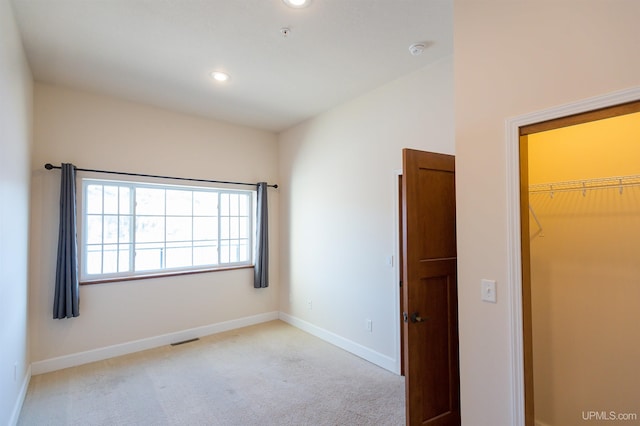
(131, 273)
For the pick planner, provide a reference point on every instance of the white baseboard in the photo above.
(17, 408)
(72, 360)
(357, 349)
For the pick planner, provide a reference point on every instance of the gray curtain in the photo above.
(67, 295)
(261, 270)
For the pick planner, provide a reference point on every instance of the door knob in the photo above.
(415, 317)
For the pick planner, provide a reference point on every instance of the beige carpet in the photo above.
(268, 374)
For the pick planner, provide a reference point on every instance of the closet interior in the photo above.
(584, 225)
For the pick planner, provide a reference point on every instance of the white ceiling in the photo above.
(161, 52)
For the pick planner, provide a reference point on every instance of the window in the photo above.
(132, 229)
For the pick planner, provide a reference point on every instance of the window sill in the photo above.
(161, 275)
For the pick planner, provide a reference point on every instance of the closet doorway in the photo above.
(580, 218)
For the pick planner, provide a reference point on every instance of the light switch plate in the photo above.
(488, 289)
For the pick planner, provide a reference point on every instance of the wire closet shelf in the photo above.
(586, 185)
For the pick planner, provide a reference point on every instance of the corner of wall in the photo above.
(381, 360)
(15, 415)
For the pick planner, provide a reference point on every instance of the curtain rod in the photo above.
(50, 166)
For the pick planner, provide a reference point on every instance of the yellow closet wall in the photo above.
(585, 268)
(600, 148)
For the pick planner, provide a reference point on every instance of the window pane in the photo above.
(124, 258)
(224, 251)
(110, 229)
(205, 228)
(234, 204)
(205, 255)
(110, 199)
(205, 203)
(234, 227)
(224, 204)
(110, 259)
(150, 201)
(224, 228)
(125, 229)
(244, 251)
(94, 230)
(178, 257)
(149, 229)
(149, 256)
(244, 227)
(244, 205)
(94, 259)
(178, 228)
(94, 199)
(179, 202)
(125, 200)
(234, 251)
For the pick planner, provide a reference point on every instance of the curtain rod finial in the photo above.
(48, 166)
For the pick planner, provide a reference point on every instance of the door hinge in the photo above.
(400, 283)
(405, 317)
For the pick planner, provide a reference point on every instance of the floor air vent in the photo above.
(184, 341)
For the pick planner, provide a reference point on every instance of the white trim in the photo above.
(514, 253)
(357, 349)
(17, 408)
(99, 354)
(397, 293)
(80, 358)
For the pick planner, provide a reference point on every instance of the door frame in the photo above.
(514, 295)
(397, 273)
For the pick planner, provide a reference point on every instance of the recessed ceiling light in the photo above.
(220, 76)
(297, 3)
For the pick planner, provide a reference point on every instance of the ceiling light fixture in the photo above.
(297, 3)
(220, 76)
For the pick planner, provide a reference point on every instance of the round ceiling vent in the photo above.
(417, 48)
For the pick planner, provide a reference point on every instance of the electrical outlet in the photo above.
(309, 304)
(369, 325)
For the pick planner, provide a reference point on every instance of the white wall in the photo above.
(98, 132)
(15, 149)
(513, 58)
(339, 202)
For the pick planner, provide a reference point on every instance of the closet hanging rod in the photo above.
(50, 166)
(586, 184)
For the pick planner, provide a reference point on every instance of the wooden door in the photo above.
(430, 289)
